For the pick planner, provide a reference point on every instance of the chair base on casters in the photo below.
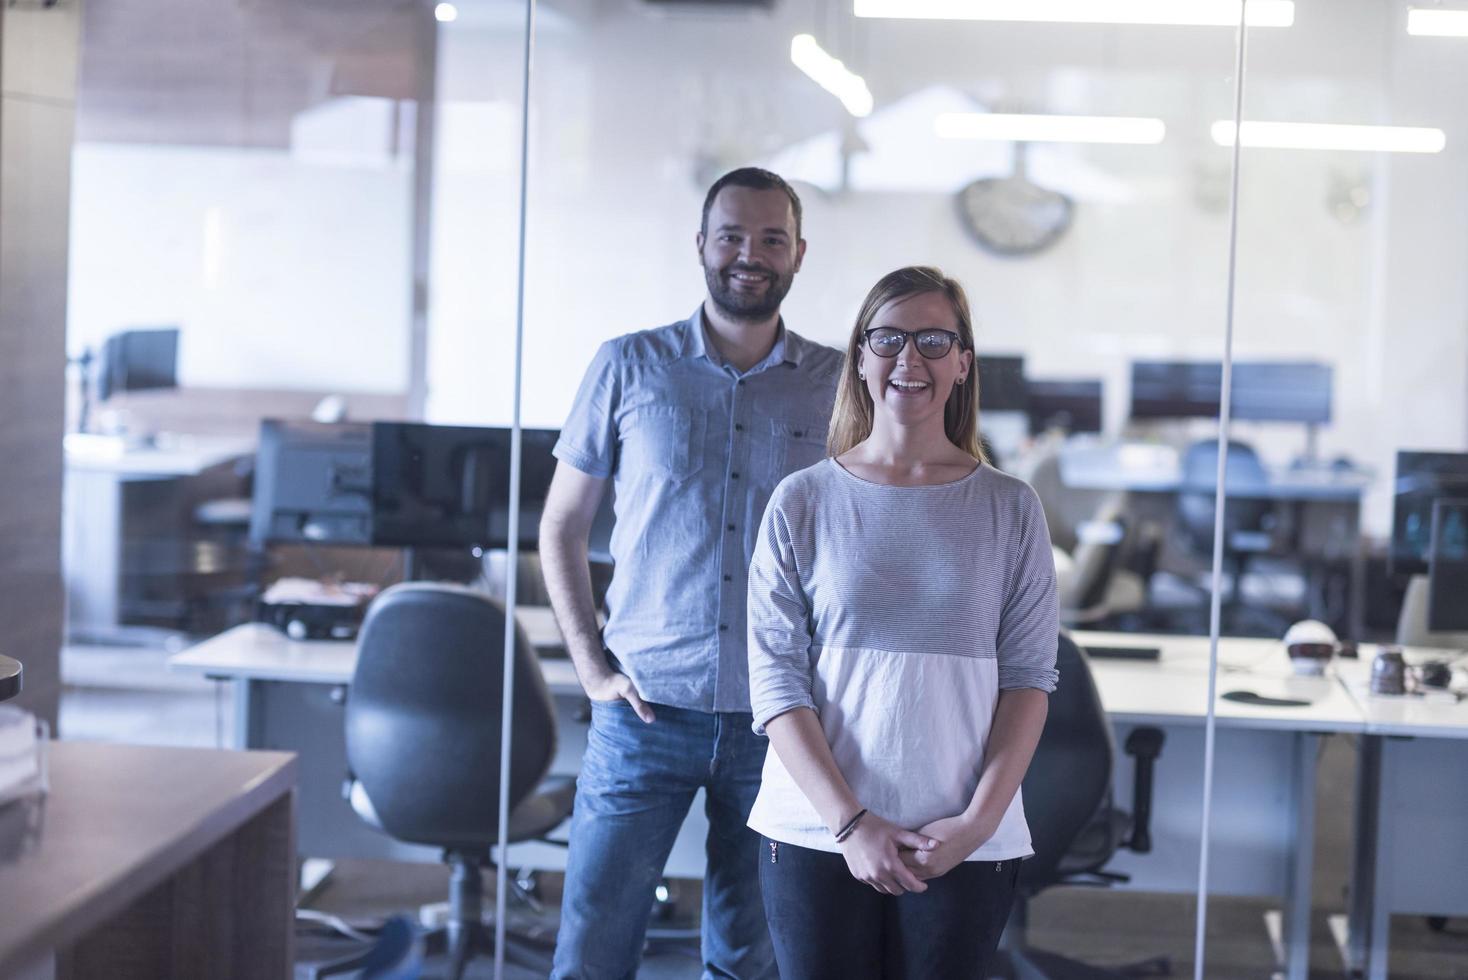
(465, 934)
(1034, 964)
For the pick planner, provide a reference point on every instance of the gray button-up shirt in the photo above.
(694, 449)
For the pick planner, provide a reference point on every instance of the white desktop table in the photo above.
(1411, 809)
(1157, 468)
(290, 694)
(98, 469)
(1263, 825)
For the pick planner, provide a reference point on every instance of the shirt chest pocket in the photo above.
(794, 445)
(664, 439)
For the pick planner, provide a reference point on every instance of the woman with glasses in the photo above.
(902, 640)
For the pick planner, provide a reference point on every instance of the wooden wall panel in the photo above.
(38, 57)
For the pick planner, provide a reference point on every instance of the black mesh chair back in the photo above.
(1197, 498)
(423, 715)
(1069, 780)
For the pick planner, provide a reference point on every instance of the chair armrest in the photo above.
(1144, 745)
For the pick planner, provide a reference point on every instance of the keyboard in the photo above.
(1123, 653)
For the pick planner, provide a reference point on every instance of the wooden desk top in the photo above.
(119, 820)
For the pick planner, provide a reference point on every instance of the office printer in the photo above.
(312, 609)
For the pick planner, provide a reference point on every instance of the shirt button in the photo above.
(740, 383)
(728, 578)
(731, 527)
(723, 627)
(738, 427)
(733, 476)
(798, 434)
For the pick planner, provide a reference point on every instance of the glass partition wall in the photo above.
(250, 224)
(1351, 305)
(1065, 175)
(288, 213)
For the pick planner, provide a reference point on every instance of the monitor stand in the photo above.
(1312, 444)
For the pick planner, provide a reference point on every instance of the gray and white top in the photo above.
(898, 614)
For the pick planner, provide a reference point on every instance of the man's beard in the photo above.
(747, 307)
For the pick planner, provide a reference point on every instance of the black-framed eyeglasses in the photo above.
(932, 343)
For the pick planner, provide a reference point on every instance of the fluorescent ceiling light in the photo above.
(1437, 23)
(1049, 129)
(446, 13)
(1201, 13)
(1318, 136)
(830, 74)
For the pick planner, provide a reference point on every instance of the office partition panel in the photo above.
(1348, 384)
(1061, 172)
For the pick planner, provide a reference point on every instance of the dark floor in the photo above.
(103, 700)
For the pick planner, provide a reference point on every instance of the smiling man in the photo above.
(693, 424)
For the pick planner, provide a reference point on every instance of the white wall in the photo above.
(282, 273)
(634, 114)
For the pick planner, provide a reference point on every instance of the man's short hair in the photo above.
(755, 179)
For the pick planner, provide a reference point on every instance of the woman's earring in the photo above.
(959, 381)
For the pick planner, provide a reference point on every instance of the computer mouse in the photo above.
(1436, 674)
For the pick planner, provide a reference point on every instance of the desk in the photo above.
(98, 470)
(1156, 468)
(1321, 506)
(153, 862)
(289, 694)
(1411, 801)
(1263, 826)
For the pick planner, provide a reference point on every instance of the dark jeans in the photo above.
(826, 924)
(637, 782)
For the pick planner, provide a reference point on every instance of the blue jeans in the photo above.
(636, 784)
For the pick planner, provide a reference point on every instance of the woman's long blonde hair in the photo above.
(851, 420)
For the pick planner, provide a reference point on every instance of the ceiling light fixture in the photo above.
(1049, 129)
(1189, 13)
(830, 74)
(1437, 23)
(445, 13)
(1322, 136)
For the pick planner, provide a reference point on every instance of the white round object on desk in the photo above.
(1310, 645)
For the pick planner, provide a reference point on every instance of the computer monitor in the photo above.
(403, 484)
(1422, 479)
(135, 360)
(1176, 389)
(1001, 383)
(449, 486)
(437, 485)
(1074, 406)
(1282, 391)
(313, 484)
(1447, 593)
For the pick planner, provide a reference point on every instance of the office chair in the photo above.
(1074, 825)
(1247, 520)
(1099, 588)
(423, 742)
(12, 677)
